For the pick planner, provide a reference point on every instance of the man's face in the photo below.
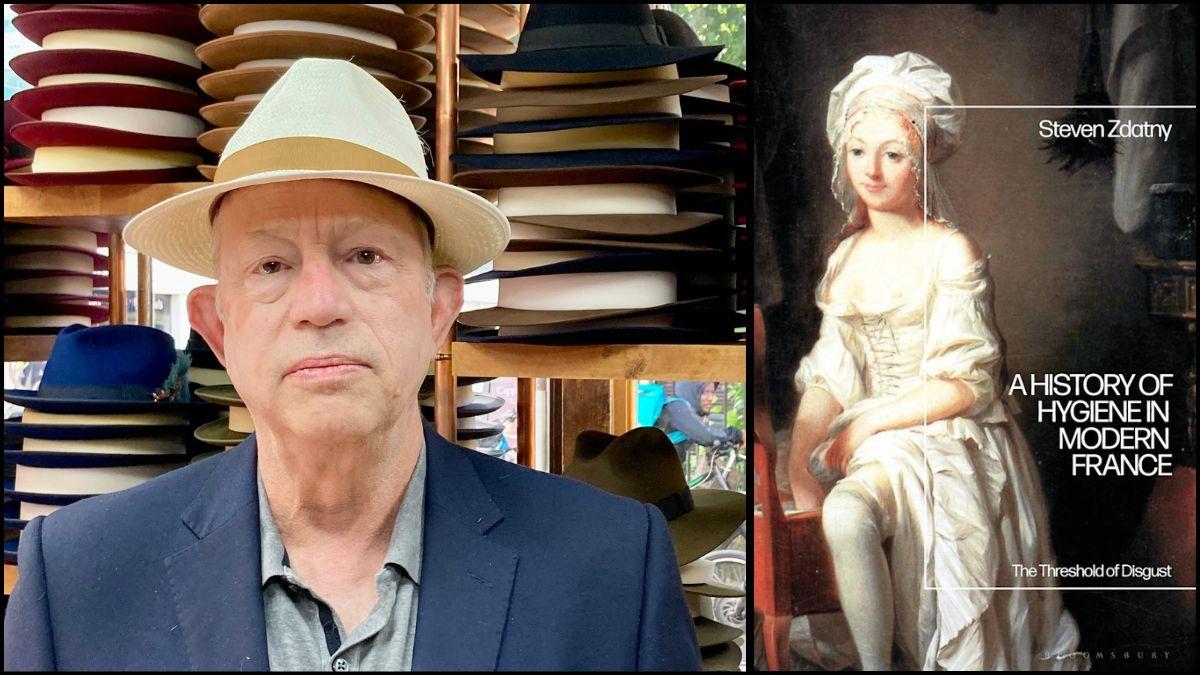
(707, 395)
(323, 316)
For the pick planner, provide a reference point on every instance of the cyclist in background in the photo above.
(684, 418)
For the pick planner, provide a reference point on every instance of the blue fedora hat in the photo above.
(12, 516)
(110, 369)
(10, 550)
(89, 460)
(583, 38)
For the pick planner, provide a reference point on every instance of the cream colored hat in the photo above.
(325, 118)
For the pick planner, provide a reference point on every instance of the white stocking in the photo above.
(855, 529)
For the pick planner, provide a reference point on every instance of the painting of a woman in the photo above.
(930, 495)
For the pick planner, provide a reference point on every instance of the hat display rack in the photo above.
(539, 364)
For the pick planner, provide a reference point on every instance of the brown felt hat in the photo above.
(409, 32)
(643, 465)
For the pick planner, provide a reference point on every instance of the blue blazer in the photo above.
(521, 571)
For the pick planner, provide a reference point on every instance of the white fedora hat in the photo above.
(324, 119)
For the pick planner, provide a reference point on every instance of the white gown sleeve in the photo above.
(833, 364)
(963, 343)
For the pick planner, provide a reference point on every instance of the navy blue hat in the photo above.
(110, 369)
(85, 432)
(89, 460)
(10, 550)
(587, 38)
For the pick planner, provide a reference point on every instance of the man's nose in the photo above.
(320, 293)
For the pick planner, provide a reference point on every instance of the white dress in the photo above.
(968, 500)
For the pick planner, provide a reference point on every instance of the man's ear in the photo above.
(202, 313)
(447, 302)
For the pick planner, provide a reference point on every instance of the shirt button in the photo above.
(341, 666)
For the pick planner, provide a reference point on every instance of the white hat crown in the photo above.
(335, 100)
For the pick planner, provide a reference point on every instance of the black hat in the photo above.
(584, 38)
(678, 33)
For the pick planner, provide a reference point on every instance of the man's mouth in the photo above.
(332, 365)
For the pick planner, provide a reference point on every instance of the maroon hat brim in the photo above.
(34, 102)
(99, 260)
(96, 312)
(173, 175)
(57, 134)
(98, 280)
(181, 24)
(33, 66)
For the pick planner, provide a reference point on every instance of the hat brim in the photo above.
(480, 404)
(227, 52)
(11, 547)
(33, 66)
(221, 394)
(217, 432)
(481, 41)
(503, 316)
(226, 85)
(232, 114)
(728, 71)
(723, 657)
(584, 59)
(88, 460)
(99, 261)
(45, 498)
(584, 333)
(136, 177)
(95, 313)
(709, 633)
(79, 432)
(714, 591)
(182, 24)
(716, 515)
(409, 32)
(520, 245)
(498, 19)
(625, 225)
(98, 280)
(622, 261)
(30, 399)
(583, 158)
(480, 432)
(34, 102)
(476, 99)
(468, 230)
(494, 179)
(59, 134)
(586, 122)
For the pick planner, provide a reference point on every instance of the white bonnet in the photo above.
(905, 83)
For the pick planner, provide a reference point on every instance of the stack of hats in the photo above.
(113, 411)
(257, 43)
(51, 279)
(485, 28)
(723, 102)
(114, 97)
(643, 465)
(16, 156)
(471, 406)
(587, 161)
(206, 372)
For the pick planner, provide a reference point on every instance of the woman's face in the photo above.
(880, 163)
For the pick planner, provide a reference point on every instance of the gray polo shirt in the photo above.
(303, 632)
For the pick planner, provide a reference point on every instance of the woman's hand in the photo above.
(842, 450)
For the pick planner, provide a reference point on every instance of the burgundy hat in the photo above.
(94, 311)
(34, 102)
(98, 280)
(183, 24)
(133, 177)
(22, 8)
(59, 134)
(33, 66)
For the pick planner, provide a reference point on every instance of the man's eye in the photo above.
(270, 266)
(366, 257)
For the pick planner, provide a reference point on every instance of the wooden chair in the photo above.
(793, 574)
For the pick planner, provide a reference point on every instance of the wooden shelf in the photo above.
(99, 208)
(721, 363)
(28, 347)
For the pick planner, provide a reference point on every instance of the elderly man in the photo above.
(344, 534)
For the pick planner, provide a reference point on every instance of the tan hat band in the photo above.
(306, 153)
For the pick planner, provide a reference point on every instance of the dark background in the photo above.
(1069, 298)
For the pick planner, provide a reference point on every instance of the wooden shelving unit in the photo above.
(107, 208)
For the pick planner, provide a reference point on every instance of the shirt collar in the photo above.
(404, 550)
